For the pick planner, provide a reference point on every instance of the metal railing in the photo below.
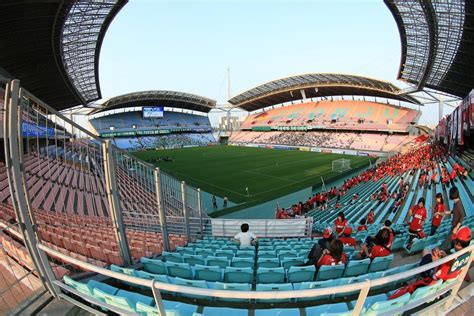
(362, 288)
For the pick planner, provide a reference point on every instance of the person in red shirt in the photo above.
(379, 249)
(346, 238)
(447, 271)
(362, 225)
(452, 176)
(340, 223)
(334, 255)
(433, 178)
(281, 214)
(418, 217)
(370, 217)
(439, 210)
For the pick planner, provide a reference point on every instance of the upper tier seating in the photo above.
(340, 114)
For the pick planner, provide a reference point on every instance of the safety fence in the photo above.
(82, 196)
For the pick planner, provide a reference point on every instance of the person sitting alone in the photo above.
(245, 238)
(334, 255)
(340, 223)
(346, 238)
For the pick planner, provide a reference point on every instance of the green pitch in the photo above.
(267, 173)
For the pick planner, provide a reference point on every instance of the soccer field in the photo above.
(267, 173)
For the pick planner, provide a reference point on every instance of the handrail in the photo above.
(255, 294)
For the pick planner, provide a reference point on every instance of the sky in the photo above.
(188, 45)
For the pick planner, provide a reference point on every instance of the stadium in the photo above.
(329, 196)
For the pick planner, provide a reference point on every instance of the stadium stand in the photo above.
(95, 226)
(339, 114)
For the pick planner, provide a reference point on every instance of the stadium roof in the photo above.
(437, 43)
(173, 99)
(53, 47)
(313, 86)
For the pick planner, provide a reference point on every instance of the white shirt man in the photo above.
(245, 237)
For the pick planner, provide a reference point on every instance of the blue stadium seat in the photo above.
(93, 284)
(153, 266)
(117, 301)
(270, 275)
(242, 262)
(245, 254)
(381, 263)
(203, 252)
(386, 307)
(180, 270)
(221, 262)
(284, 254)
(330, 272)
(135, 297)
(172, 257)
(301, 274)
(81, 287)
(268, 263)
(267, 254)
(238, 275)
(289, 262)
(208, 273)
(356, 267)
(229, 254)
(417, 246)
(193, 259)
(422, 293)
(185, 250)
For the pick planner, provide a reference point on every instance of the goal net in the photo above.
(341, 165)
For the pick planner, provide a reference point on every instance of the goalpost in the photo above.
(341, 165)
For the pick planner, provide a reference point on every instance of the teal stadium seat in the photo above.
(229, 254)
(221, 262)
(242, 262)
(381, 263)
(148, 310)
(203, 252)
(268, 263)
(245, 254)
(301, 274)
(267, 254)
(208, 273)
(356, 267)
(172, 257)
(238, 275)
(193, 259)
(289, 262)
(153, 266)
(330, 272)
(386, 307)
(417, 246)
(270, 275)
(180, 270)
(80, 287)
